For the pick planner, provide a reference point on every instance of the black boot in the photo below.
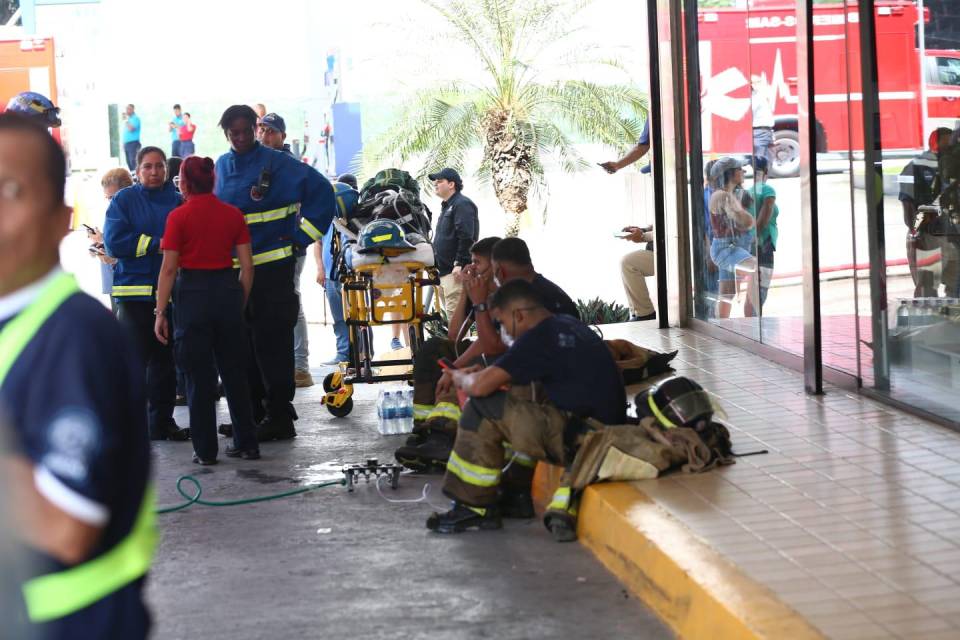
(275, 429)
(246, 454)
(562, 527)
(516, 504)
(462, 517)
(170, 431)
(226, 430)
(430, 456)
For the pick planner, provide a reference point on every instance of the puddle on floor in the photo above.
(323, 472)
(264, 478)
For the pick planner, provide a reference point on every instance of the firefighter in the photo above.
(287, 205)
(71, 390)
(579, 379)
(37, 107)
(135, 222)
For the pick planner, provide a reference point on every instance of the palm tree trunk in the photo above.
(509, 157)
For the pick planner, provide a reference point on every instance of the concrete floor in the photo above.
(331, 564)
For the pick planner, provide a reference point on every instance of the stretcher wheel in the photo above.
(328, 383)
(341, 411)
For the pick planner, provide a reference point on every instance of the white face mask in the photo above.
(505, 337)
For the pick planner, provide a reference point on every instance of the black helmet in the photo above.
(678, 401)
(384, 237)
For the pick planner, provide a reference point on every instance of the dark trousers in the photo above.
(175, 148)
(160, 372)
(130, 150)
(210, 335)
(272, 314)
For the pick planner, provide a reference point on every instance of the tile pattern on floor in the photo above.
(852, 518)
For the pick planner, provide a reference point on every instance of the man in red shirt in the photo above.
(199, 240)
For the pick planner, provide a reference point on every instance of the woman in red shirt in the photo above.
(200, 239)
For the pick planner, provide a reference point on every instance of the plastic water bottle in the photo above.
(903, 313)
(390, 406)
(406, 411)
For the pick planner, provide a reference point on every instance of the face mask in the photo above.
(505, 337)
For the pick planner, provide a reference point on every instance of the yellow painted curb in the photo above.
(692, 588)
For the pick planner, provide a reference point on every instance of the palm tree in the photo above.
(516, 112)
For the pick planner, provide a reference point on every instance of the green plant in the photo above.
(597, 311)
(514, 113)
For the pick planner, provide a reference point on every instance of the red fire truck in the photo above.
(741, 48)
(27, 64)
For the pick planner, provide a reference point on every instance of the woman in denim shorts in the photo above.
(731, 249)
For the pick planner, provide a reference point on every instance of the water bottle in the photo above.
(383, 410)
(390, 406)
(406, 425)
(903, 313)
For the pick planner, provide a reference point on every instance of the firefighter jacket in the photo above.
(132, 232)
(286, 203)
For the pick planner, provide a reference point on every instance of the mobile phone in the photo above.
(89, 228)
(621, 234)
(445, 363)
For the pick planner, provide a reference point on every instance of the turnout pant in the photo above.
(635, 268)
(504, 430)
(161, 376)
(429, 411)
(210, 335)
(272, 315)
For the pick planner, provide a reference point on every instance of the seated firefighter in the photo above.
(436, 411)
(572, 376)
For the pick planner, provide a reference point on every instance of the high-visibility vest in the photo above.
(59, 594)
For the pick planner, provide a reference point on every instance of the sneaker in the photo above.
(302, 378)
(395, 344)
(275, 430)
(462, 517)
(430, 456)
(226, 430)
(247, 454)
(649, 316)
(206, 463)
(518, 505)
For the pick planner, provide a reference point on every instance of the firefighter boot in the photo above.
(462, 517)
(516, 504)
(562, 526)
(275, 429)
(428, 457)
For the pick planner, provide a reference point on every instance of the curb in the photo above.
(694, 589)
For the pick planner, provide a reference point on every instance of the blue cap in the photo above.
(275, 122)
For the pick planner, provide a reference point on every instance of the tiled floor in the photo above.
(852, 518)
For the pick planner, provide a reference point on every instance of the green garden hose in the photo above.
(195, 499)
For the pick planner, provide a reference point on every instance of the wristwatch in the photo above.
(480, 307)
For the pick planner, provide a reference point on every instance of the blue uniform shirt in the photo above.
(574, 365)
(276, 228)
(136, 219)
(75, 402)
(134, 134)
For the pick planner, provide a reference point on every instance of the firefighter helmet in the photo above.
(347, 198)
(678, 401)
(35, 106)
(384, 237)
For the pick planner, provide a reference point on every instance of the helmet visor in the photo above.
(687, 408)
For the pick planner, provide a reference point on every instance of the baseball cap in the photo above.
(723, 165)
(274, 121)
(447, 174)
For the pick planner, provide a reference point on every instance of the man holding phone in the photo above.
(635, 268)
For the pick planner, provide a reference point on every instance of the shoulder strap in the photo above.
(20, 330)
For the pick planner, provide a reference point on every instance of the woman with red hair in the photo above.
(199, 242)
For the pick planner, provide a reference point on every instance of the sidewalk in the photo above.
(852, 521)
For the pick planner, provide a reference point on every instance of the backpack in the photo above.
(393, 194)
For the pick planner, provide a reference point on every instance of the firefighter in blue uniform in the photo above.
(287, 205)
(134, 226)
(72, 395)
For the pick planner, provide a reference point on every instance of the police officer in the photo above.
(71, 388)
(134, 227)
(286, 204)
(199, 240)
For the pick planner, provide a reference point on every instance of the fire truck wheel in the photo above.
(786, 154)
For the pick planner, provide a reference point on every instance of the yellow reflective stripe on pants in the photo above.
(122, 290)
(561, 500)
(445, 410)
(518, 458)
(308, 228)
(268, 256)
(422, 411)
(472, 473)
(63, 593)
(272, 214)
(143, 244)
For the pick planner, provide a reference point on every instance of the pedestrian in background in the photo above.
(186, 132)
(458, 227)
(200, 239)
(328, 275)
(112, 182)
(174, 126)
(131, 136)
